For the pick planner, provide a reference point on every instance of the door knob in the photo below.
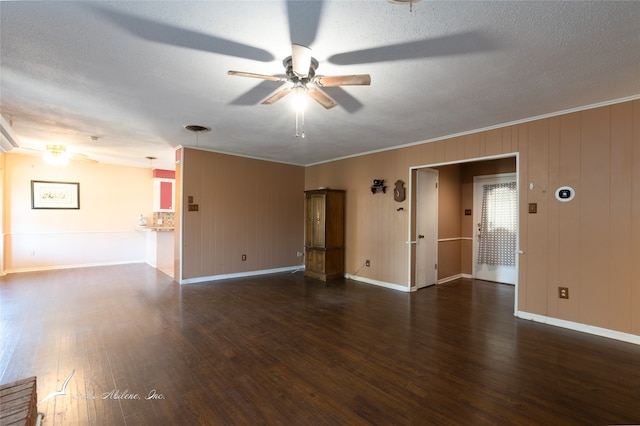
(420, 236)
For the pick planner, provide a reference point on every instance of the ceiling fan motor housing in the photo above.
(288, 65)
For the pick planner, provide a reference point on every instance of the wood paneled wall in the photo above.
(449, 221)
(591, 244)
(245, 206)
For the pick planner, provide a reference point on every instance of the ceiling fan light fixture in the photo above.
(299, 97)
(299, 103)
(56, 155)
(300, 60)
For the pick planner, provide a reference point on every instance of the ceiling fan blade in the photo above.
(321, 97)
(168, 34)
(256, 94)
(454, 44)
(304, 19)
(343, 80)
(300, 60)
(253, 75)
(277, 96)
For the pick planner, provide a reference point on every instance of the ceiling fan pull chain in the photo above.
(300, 123)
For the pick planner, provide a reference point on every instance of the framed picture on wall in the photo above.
(55, 195)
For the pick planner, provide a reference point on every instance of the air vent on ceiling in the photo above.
(196, 128)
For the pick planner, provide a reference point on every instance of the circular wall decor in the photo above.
(565, 194)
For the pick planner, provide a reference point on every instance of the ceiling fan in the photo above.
(300, 70)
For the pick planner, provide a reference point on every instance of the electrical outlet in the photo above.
(299, 254)
(563, 292)
(367, 263)
(244, 257)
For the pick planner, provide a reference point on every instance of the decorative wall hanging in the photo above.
(55, 195)
(378, 186)
(399, 192)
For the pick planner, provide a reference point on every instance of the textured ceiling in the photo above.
(134, 73)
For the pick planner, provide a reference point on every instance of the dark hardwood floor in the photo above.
(282, 349)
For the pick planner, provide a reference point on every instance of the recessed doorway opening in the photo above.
(452, 248)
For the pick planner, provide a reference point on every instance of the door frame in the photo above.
(411, 243)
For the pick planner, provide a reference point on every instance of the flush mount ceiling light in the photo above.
(56, 155)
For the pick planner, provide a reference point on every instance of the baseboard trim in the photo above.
(241, 274)
(378, 283)
(453, 278)
(576, 326)
(80, 265)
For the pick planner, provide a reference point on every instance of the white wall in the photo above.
(102, 231)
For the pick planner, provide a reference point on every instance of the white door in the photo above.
(426, 227)
(495, 237)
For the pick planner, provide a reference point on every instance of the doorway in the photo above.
(495, 218)
(468, 169)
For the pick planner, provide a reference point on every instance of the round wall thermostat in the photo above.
(565, 193)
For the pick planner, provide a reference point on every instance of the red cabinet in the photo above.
(163, 195)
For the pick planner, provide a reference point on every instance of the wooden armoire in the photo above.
(324, 234)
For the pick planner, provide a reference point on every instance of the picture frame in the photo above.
(55, 195)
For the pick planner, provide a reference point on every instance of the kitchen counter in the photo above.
(160, 245)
